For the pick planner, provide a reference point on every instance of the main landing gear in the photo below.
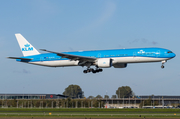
(92, 70)
(162, 66)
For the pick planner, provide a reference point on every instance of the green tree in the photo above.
(73, 91)
(124, 91)
(113, 96)
(91, 97)
(148, 102)
(98, 96)
(14, 103)
(106, 96)
(68, 102)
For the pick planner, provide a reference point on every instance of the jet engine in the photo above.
(120, 65)
(104, 63)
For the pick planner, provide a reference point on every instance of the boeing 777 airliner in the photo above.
(118, 58)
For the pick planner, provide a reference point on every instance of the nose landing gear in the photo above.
(162, 66)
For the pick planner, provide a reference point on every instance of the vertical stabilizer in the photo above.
(26, 48)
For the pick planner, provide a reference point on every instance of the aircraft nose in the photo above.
(173, 55)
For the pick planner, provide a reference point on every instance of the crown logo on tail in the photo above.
(27, 45)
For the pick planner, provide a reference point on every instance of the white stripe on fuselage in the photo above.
(137, 59)
(57, 63)
(64, 63)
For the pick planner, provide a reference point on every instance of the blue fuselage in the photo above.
(158, 53)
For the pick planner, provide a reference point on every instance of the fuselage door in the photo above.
(135, 58)
(134, 54)
(158, 53)
(99, 55)
(41, 59)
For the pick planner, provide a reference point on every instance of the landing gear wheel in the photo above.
(85, 71)
(162, 66)
(94, 71)
(97, 70)
(91, 70)
(100, 70)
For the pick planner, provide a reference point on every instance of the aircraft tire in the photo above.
(162, 66)
(97, 70)
(85, 71)
(91, 70)
(94, 72)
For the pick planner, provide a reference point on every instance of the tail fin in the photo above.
(26, 48)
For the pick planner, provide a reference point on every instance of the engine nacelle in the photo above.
(120, 65)
(104, 63)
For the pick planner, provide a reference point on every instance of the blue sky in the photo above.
(85, 25)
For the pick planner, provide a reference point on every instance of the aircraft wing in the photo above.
(19, 58)
(72, 57)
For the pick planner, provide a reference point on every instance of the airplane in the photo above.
(118, 58)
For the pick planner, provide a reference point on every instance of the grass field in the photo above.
(87, 113)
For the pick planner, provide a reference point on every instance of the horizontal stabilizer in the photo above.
(19, 58)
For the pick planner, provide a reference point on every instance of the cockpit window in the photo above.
(169, 52)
